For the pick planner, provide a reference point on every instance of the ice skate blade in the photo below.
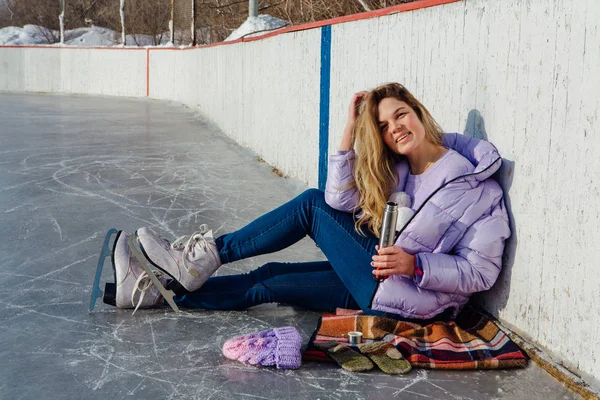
(167, 294)
(105, 252)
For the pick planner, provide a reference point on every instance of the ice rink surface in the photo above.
(72, 167)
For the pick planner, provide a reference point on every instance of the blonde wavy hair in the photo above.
(374, 171)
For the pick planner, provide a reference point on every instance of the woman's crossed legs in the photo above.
(345, 280)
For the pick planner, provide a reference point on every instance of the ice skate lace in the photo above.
(193, 241)
(142, 285)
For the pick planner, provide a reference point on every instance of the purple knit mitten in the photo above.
(279, 347)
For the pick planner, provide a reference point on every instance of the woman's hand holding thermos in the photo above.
(393, 259)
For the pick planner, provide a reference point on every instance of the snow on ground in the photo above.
(27, 35)
(255, 26)
(32, 35)
(93, 36)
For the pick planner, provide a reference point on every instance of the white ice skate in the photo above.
(135, 283)
(190, 260)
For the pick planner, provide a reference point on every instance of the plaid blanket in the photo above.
(472, 341)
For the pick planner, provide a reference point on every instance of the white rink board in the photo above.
(260, 93)
(89, 70)
(114, 72)
(29, 70)
(521, 73)
(513, 72)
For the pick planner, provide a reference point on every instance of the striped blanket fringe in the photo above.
(472, 341)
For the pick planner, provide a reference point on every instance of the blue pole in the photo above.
(324, 104)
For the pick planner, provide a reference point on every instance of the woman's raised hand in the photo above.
(348, 138)
(357, 99)
(393, 260)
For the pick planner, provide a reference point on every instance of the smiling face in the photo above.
(387, 114)
(401, 129)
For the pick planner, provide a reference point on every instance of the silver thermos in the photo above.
(388, 225)
(388, 228)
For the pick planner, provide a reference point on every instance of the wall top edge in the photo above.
(311, 25)
(356, 17)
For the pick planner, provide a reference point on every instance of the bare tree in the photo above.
(364, 5)
(148, 17)
(38, 13)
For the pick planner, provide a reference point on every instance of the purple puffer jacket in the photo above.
(458, 234)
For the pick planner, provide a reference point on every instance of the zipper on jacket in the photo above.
(440, 188)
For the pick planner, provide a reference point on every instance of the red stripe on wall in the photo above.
(356, 17)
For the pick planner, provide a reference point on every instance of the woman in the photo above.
(451, 248)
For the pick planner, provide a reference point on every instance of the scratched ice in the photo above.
(72, 167)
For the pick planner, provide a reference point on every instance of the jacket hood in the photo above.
(483, 155)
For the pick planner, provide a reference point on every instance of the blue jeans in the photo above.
(344, 280)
